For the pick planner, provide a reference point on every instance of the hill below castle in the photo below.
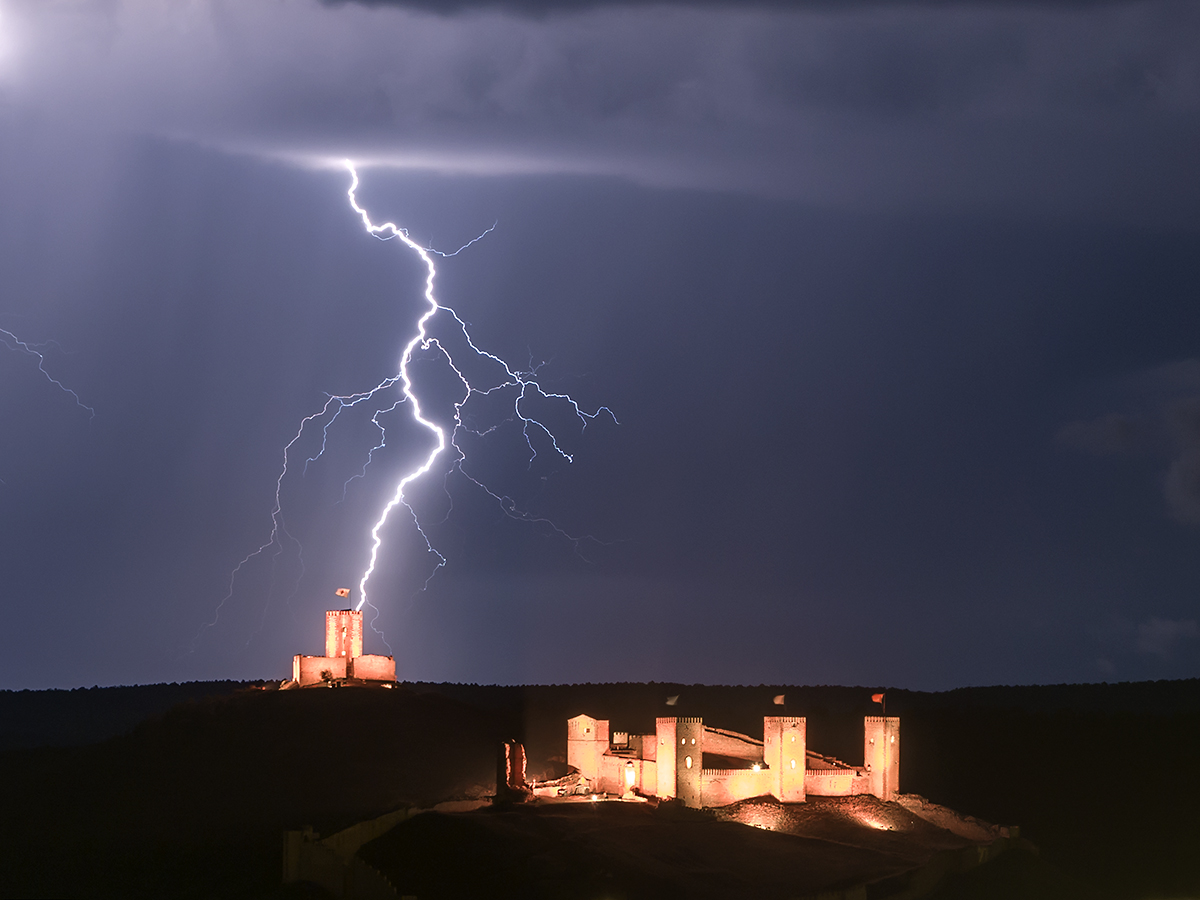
(192, 801)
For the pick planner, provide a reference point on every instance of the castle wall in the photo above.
(785, 748)
(373, 668)
(720, 787)
(881, 755)
(665, 753)
(836, 782)
(732, 744)
(307, 670)
(343, 633)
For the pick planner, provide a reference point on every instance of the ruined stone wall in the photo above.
(720, 787)
(307, 670)
(373, 668)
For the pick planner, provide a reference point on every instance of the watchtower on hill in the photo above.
(343, 662)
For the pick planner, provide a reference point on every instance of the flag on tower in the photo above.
(778, 701)
(671, 701)
(877, 698)
(343, 592)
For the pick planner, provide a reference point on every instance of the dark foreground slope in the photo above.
(1103, 779)
(636, 851)
(193, 803)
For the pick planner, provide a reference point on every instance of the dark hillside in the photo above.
(191, 802)
(198, 798)
(60, 718)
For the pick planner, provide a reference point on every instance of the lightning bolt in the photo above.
(13, 342)
(523, 383)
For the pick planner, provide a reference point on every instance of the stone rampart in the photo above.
(308, 670)
(370, 667)
(720, 787)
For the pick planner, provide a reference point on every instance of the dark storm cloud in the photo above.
(1107, 435)
(546, 7)
(1182, 483)
(1167, 425)
(1162, 636)
(1075, 109)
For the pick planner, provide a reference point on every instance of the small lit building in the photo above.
(343, 662)
(706, 766)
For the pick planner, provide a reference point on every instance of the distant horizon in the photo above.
(768, 685)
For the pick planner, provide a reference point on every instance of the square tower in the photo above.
(881, 755)
(785, 745)
(587, 742)
(343, 633)
(689, 760)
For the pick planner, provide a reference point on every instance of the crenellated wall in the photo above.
(836, 782)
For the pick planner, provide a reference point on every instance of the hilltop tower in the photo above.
(689, 759)
(343, 633)
(785, 745)
(587, 741)
(881, 755)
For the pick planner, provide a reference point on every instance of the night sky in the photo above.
(897, 305)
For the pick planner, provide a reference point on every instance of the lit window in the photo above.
(688, 760)
(793, 739)
(693, 740)
(683, 740)
(893, 739)
(794, 766)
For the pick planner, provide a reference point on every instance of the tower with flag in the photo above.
(344, 662)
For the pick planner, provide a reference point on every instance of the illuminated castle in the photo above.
(343, 662)
(705, 766)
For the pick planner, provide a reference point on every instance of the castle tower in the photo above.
(881, 755)
(587, 741)
(689, 760)
(343, 633)
(664, 730)
(785, 742)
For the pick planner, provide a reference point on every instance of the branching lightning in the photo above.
(522, 383)
(13, 342)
